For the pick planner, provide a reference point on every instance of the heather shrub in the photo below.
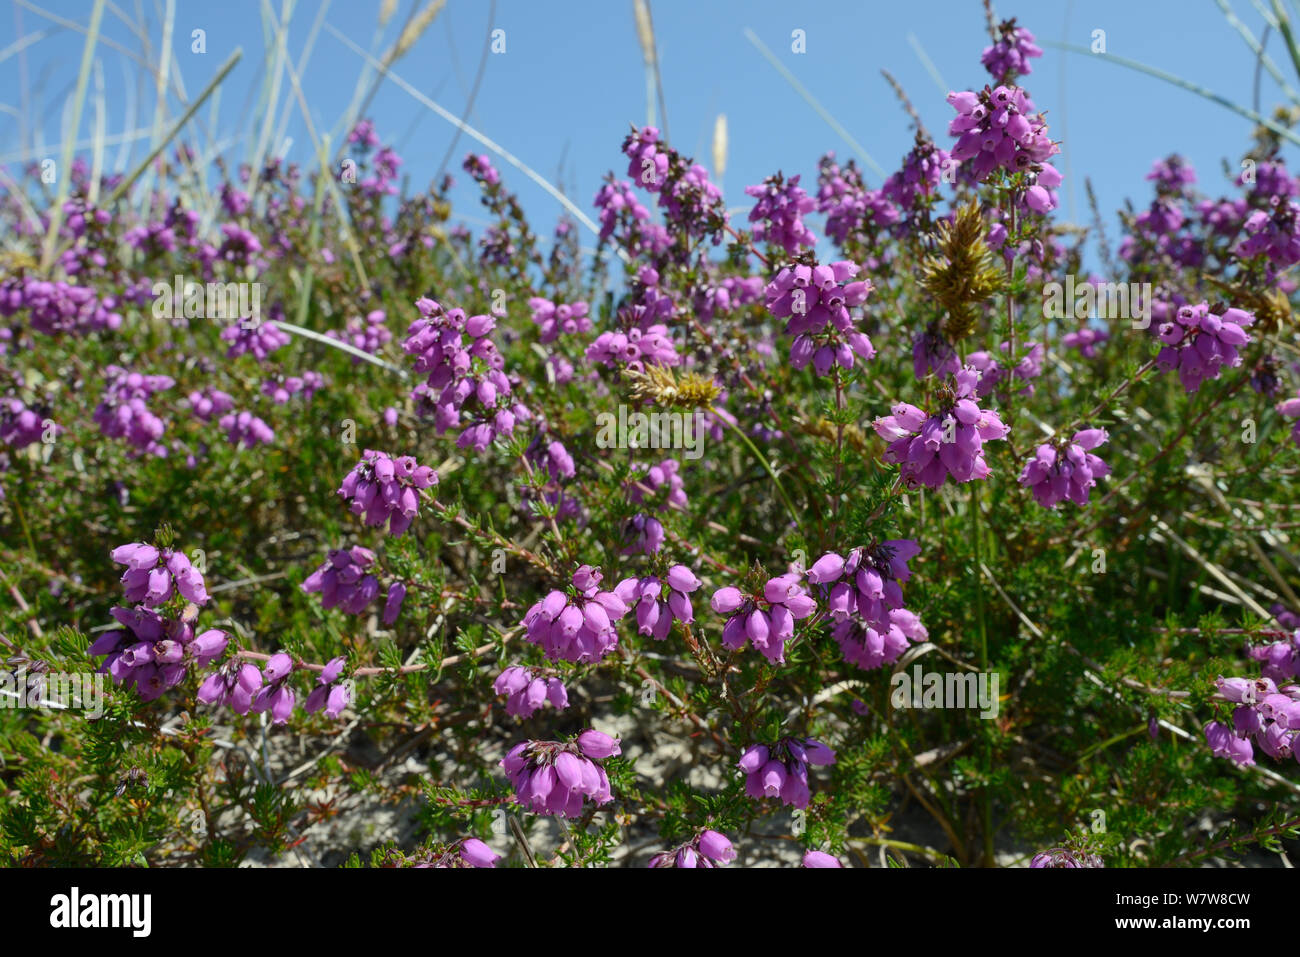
(881, 525)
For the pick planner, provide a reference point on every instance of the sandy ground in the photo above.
(660, 751)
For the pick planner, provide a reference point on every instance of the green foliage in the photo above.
(1106, 626)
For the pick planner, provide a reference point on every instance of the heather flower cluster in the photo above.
(634, 349)
(1264, 378)
(1085, 340)
(1290, 408)
(815, 301)
(258, 340)
(618, 205)
(577, 626)
(155, 647)
(1065, 858)
(657, 602)
(819, 859)
(382, 489)
(345, 581)
(19, 425)
(849, 206)
(466, 387)
(479, 166)
(1065, 470)
(281, 389)
(644, 533)
(992, 373)
(1001, 129)
(209, 402)
(246, 429)
(239, 246)
(276, 694)
(779, 211)
(436, 340)
(1199, 343)
(554, 320)
(551, 467)
(381, 173)
(864, 597)
(153, 652)
(124, 413)
(527, 689)
(706, 849)
(729, 294)
(691, 203)
(647, 162)
(663, 480)
(947, 443)
(1265, 714)
(1173, 174)
(781, 770)
(58, 307)
(557, 777)
(369, 334)
(232, 686)
(1010, 55)
(467, 852)
(154, 575)
(1274, 234)
(933, 354)
(180, 226)
(331, 694)
(765, 619)
(923, 170)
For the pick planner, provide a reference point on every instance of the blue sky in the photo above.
(571, 79)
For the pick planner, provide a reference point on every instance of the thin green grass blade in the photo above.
(160, 84)
(110, 139)
(341, 346)
(101, 122)
(22, 43)
(811, 100)
(1187, 85)
(70, 136)
(1260, 54)
(303, 59)
(1284, 26)
(327, 174)
(276, 77)
(468, 130)
(926, 62)
(129, 181)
